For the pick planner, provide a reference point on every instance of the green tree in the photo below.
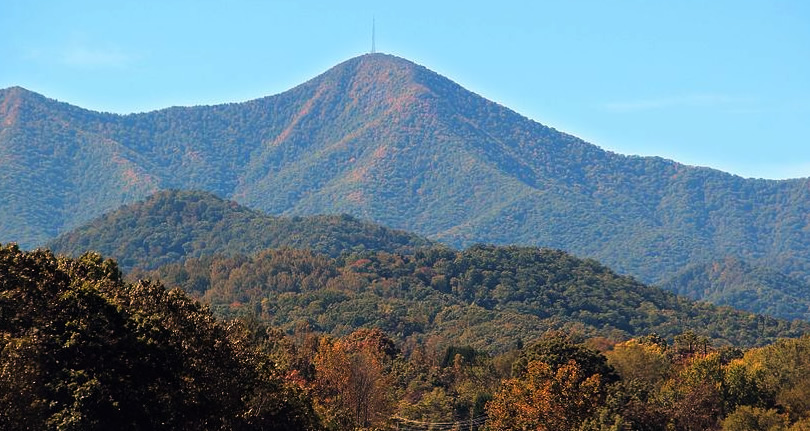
(557, 349)
(81, 349)
(747, 418)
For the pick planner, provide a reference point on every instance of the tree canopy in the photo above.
(80, 349)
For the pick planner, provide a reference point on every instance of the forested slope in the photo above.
(491, 298)
(81, 349)
(173, 225)
(737, 284)
(384, 139)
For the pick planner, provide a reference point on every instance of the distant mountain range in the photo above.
(386, 140)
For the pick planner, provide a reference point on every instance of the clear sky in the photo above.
(718, 83)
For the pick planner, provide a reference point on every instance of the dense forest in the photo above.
(173, 225)
(491, 298)
(386, 140)
(211, 243)
(81, 348)
(740, 285)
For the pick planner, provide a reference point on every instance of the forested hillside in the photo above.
(170, 226)
(82, 349)
(737, 284)
(491, 298)
(381, 138)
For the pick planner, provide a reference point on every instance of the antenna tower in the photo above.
(373, 48)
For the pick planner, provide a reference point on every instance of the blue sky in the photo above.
(724, 84)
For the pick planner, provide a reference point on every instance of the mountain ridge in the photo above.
(386, 140)
(489, 297)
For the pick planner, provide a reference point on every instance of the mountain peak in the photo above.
(10, 100)
(16, 103)
(381, 61)
(373, 72)
(14, 90)
(16, 93)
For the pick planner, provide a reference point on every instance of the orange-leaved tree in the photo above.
(353, 378)
(546, 399)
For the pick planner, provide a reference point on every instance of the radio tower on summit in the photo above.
(373, 48)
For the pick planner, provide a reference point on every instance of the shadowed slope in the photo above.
(737, 284)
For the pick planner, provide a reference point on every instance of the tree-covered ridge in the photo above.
(381, 138)
(737, 284)
(173, 225)
(82, 350)
(491, 298)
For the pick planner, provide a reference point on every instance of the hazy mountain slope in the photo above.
(53, 173)
(387, 140)
(737, 284)
(492, 298)
(170, 226)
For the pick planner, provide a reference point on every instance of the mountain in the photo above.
(489, 297)
(173, 225)
(386, 140)
(737, 284)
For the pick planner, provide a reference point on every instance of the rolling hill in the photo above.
(489, 297)
(386, 140)
(173, 225)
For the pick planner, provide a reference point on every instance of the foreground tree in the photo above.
(353, 380)
(82, 350)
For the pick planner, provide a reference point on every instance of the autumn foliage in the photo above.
(80, 348)
(353, 380)
(546, 399)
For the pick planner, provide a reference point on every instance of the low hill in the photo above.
(743, 286)
(173, 225)
(491, 298)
